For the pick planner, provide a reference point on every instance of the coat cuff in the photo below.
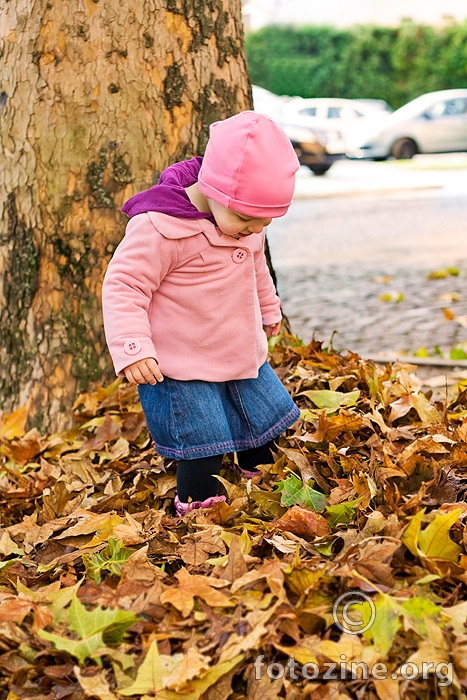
(125, 351)
(271, 318)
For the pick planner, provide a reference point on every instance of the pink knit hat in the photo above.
(249, 166)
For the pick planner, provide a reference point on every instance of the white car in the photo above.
(335, 115)
(432, 123)
(313, 145)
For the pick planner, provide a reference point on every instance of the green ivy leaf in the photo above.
(110, 559)
(341, 513)
(294, 492)
(94, 629)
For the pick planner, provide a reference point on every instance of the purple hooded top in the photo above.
(169, 195)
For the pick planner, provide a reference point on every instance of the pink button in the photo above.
(239, 255)
(132, 347)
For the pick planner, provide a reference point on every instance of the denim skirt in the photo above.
(190, 419)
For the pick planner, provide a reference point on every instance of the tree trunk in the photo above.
(97, 97)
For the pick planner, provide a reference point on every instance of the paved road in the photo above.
(372, 229)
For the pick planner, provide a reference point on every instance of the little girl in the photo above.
(189, 303)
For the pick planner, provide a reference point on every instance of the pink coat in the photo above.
(193, 298)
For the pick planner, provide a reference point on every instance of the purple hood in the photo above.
(169, 196)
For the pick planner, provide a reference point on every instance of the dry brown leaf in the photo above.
(96, 685)
(236, 564)
(193, 665)
(199, 546)
(303, 522)
(189, 587)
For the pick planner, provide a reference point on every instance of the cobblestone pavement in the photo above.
(336, 255)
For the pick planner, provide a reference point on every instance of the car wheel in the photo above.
(404, 149)
(319, 169)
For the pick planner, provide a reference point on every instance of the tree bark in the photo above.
(97, 97)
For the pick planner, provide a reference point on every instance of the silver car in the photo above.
(432, 123)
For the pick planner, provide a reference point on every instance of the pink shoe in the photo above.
(182, 508)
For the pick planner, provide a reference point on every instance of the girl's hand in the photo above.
(143, 372)
(272, 329)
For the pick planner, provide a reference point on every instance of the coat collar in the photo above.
(170, 227)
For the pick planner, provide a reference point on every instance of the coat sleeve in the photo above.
(138, 266)
(270, 303)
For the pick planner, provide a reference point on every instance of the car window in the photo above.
(309, 111)
(458, 106)
(334, 112)
(447, 108)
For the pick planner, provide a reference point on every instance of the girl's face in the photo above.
(235, 224)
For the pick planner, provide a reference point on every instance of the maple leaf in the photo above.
(191, 676)
(182, 597)
(94, 629)
(433, 542)
(391, 613)
(110, 559)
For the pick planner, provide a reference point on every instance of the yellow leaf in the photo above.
(8, 546)
(434, 540)
(387, 688)
(149, 677)
(348, 645)
(364, 486)
(13, 425)
(448, 314)
(200, 685)
(426, 411)
(157, 669)
(88, 523)
(301, 653)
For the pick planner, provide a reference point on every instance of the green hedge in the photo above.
(393, 64)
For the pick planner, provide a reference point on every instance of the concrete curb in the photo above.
(313, 194)
(421, 361)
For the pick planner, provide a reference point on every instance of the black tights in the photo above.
(195, 478)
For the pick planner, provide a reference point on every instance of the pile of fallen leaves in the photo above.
(106, 594)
